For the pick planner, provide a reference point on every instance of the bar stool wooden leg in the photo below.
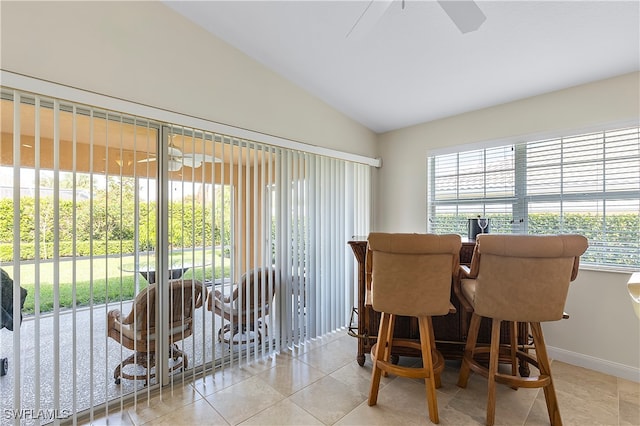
(427, 363)
(493, 369)
(545, 370)
(380, 349)
(472, 337)
(513, 338)
(389, 340)
(433, 347)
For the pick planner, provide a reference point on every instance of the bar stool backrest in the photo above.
(412, 273)
(525, 277)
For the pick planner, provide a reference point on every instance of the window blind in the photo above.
(586, 183)
(93, 200)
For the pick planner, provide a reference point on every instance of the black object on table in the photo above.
(175, 272)
(7, 316)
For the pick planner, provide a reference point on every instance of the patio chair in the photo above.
(253, 297)
(7, 317)
(6, 302)
(137, 331)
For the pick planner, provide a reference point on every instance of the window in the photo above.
(587, 184)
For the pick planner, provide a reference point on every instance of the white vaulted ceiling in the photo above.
(413, 64)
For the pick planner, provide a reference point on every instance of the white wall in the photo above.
(144, 52)
(602, 333)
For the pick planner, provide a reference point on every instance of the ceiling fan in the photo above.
(465, 14)
(177, 159)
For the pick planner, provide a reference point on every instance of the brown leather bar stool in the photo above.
(517, 278)
(411, 276)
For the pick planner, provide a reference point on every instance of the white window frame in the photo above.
(521, 201)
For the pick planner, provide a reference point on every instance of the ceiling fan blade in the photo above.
(209, 158)
(146, 160)
(195, 160)
(174, 164)
(173, 151)
(464, 13)
(374, 11)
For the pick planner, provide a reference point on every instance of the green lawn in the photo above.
(99, 280)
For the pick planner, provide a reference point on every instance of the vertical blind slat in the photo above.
(36, 264)
(56, 256)
(16, 249)
(74, 344)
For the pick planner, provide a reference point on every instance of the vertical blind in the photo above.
(587, 184)
(96, 200)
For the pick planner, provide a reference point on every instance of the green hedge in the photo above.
(612, 242)
(112, 218)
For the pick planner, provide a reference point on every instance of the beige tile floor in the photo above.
(322, 383)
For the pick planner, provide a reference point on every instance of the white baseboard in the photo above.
(597, 364)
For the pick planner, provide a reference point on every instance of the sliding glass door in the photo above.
(104, 213)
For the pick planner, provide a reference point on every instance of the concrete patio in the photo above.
(83, 347)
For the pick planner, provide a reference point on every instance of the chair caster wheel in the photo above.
(4, 366)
